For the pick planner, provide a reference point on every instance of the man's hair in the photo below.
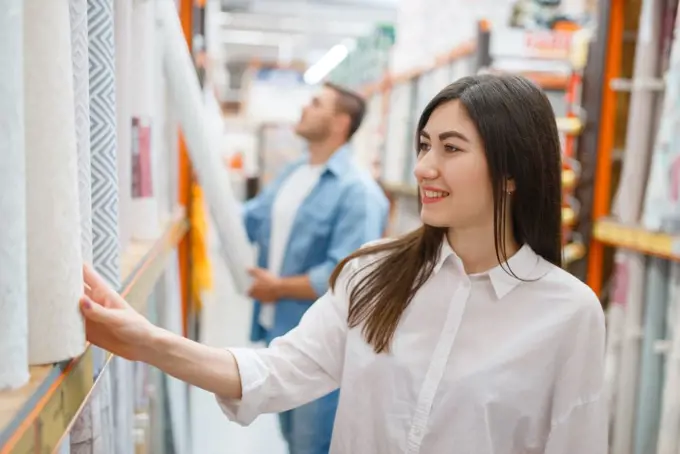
(350, 103)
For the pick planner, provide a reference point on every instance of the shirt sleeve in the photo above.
(361, 219)
(579, 420)
(297, 368)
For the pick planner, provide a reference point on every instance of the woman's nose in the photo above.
(425, 171)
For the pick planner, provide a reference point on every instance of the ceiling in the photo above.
(302, 30)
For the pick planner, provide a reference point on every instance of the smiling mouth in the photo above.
(435, 194)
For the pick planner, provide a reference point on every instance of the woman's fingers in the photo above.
(88, 291)
(99, 291)
(93, 279)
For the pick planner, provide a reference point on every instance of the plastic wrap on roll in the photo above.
(13, 279)
(187, 105)
(55, 281)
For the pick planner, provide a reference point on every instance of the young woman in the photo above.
(464, 336)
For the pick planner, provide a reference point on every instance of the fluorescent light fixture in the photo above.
(327, 63)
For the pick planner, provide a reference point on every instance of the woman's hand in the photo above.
(110, 322)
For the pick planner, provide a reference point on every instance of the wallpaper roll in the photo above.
(103, 141)
(648, 407)
(669, 437)
(85, 436)
(123, 54)
(145, 223)
(13, 278)
(55, 278)
(105, 195)
(187, 104)
(81, 88)
(170, 318)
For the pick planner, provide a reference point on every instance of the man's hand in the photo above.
(266, 286)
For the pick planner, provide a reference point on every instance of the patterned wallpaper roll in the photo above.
(104, 169)
(104, 172)
(13, 290)
(55, 278)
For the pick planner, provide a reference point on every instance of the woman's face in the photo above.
(452, 172)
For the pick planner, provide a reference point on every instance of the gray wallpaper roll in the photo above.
(55, 280)
(86, 436)
(106, 248)
(13, 289)
(104, 168)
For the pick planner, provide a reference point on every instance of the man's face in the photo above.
(317, 117)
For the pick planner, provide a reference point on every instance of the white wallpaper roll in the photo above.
(187, 105)
(170, 318)
(145, 222)
(13, 288)
(81, 88)
(55, 278)
(123, 47)
(121, 369)
(85, 436)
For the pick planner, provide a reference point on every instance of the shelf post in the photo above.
(603, 170)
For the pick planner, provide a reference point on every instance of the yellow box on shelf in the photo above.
(569, 125)
(36, 417)
(568, 217)
(568, 179)
(636, 238)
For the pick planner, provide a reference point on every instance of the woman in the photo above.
(464, 336)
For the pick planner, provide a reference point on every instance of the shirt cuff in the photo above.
(253, 374)
(318, 278)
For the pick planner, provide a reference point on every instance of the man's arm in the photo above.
(296, 287)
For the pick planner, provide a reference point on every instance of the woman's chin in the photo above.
(433, 220)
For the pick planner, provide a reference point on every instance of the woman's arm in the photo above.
(186, 360)
(299, 367)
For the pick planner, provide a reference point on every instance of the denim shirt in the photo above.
(345, 209)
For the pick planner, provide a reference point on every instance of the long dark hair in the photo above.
(517, 126)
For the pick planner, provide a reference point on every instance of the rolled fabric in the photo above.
(188, 106)
(13, 261)
(55, 280)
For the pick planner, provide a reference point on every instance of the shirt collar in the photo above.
(525, 264)
(340, 161)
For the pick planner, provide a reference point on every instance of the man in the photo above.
(319, 210)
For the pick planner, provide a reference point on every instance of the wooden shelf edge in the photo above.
(636, 238)
(47, 412)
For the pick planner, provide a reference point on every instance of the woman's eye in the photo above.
(451, 148)
(422, 146)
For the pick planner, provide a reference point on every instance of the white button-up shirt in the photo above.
(480, 364)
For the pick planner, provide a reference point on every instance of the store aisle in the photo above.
(225, 322)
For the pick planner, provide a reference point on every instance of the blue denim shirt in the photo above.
(345, 209)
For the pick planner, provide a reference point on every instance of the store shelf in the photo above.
(609, 231)
(35, 418)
